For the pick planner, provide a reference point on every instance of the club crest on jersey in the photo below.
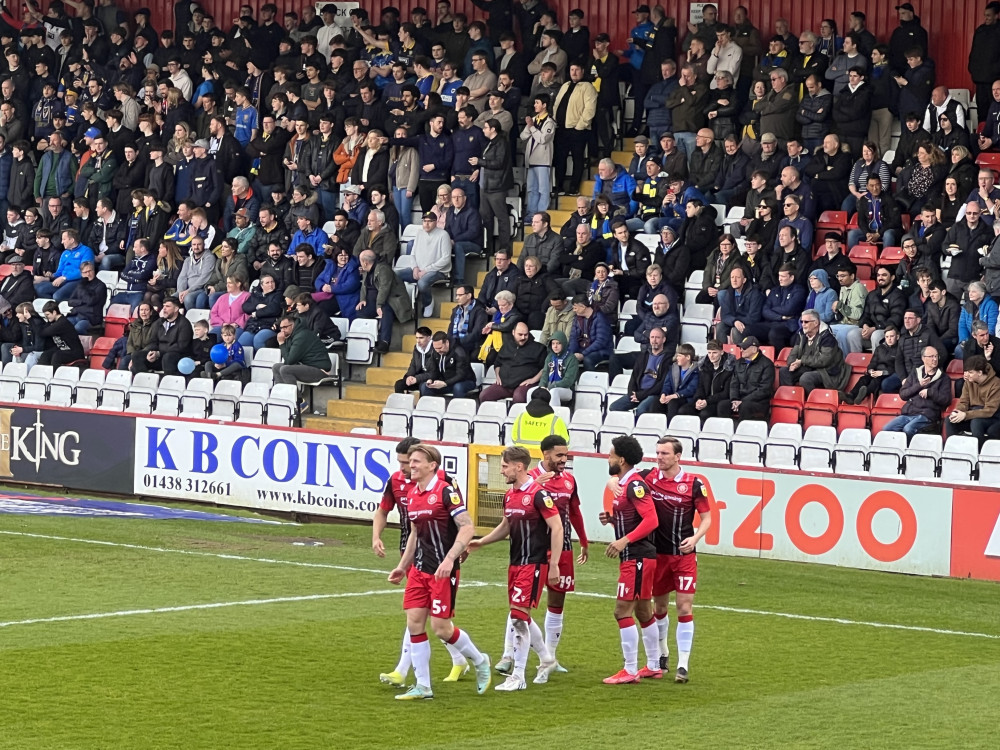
(568, 484)
(639, 490)
(526, 500)
(682, 488)
(432, 499)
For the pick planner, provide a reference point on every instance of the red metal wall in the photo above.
(950, 23)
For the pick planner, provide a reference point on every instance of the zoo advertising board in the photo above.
(296, 471)
(892, 526)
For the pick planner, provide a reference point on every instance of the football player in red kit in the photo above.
(441, 530)
(532, 522)
(394, 496)
(677, 495)
(634, 519)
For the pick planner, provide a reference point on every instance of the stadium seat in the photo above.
(816, 448)
(885, 456)
(114, 390)
(332, 378)
(618, 387)
(781, 451)
(858, 362)
(686, 428)
(487, 427)
(615, 423)
(63, 386)
(584, 428)
(959, 459)
(854, 416)
(456, 424)
(361, 341)
(890, 257)
(922, 457)
(508, 422)
(87, 391)
(35, 387)
(196, 399)
(886, 408)
(989, 464)
(713, 440)
(264, 359)
(864, 256)
(746, 447)
(955, 371)
(225, 399)
(99, 350)
(394, 421)
(253, 403)
(282, 405)
(198, 313)
(787, 405)
(820, 408)
(168, 396)
(850, 456)
(648, 429)
(10, 381)
(832, 220)
(591, 391)
(782, 360)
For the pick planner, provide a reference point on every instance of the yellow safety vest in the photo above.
(529, 431)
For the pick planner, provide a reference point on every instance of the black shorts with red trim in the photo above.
(424, 591)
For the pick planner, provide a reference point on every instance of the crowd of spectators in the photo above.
(265, 172)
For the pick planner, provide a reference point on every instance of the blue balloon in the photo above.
(219, 354)
(186, 366)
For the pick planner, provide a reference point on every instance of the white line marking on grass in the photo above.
(467, 584)
(190, 607)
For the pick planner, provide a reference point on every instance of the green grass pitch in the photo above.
(302, 673)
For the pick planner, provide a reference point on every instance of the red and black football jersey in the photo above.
(394, 496)
(432, 515)
(631, 510)
(676, 502)
(526, 508)
(562, 490)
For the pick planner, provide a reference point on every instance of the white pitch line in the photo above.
(591, 594)
(190, 607)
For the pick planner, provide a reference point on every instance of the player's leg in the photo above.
(661, 601)
(506, 663)
(629, 578)
(446, 630)
(521, 637)
(686, 578)
(420, 653)
(648, 629)
(555, 600)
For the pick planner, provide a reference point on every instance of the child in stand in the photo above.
(201, 347)
(235, 361)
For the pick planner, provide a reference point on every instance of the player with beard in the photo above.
(634, 518)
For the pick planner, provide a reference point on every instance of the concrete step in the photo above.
(385, 376)
(396, 359)
(568, 202)
(586, 188)
(375, 394)
(622, 157)
(358, 410)
(333, 424)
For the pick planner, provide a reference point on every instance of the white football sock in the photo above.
(457, 660)
(553, 630)
(538, 642)
(467, 648)
(685, 636)
(508, 640)
(663, 626)
(420, 653)
(630, 645)
(405, 661)
(522, 646)
(651, 643)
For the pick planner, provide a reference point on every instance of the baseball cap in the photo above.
(431, 215)
(905, 6)
(768, 138)
(642, 9)
(667, 134)
(92, 133)
(642, 139)
(201, 143)
(749, 341)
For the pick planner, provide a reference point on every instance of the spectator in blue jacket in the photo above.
(67, 274)
(309, 235)
(674, 210)
(782, 307)
(821, 296)
(978, 306)
(590, 338)
(465, 227)
(615, 181)
(338, 286)
(136, 275)
(681, 382)
(6, 162)
(741, 308)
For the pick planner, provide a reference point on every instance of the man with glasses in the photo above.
(777, 111)
(966, 242)
(816, 360)
(468, 318)
(913, 341)
(927, 391)
(170, 342)
(807, 62)
(481, 82)
(304, 356)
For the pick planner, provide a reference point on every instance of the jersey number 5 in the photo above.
(438, 607)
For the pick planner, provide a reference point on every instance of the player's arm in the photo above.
(576, 521)
(555, 546)
(465, 533)
(399, 572)
(688, 545)
(501, 531)
(378, 526)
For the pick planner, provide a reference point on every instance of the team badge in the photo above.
(548, 502)
(568, 484)
(638, 490)
(704, 491)
(682, 488)
(432, 499)
(526, 500)
(456, 500)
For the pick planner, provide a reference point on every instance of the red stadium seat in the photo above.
(832, 220)
(849, 415)
(783, 357)
(853, 223)
(890, 256)
(869, 284)
(5, 271)
(767, 351)
(117, 321)
(858, 362)
(864, 256)
(887, 408)
(787, 404)
(820, 408)
(955, 371)
(99, 351)
(733, 349)
(988, 159)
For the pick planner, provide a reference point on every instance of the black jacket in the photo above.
(881, 309)
(18, 289)
(713, 382)
(515, 364)
(88, 298)
(496, 173)
(114, 235)
(532, 295)
(61, 335)
(911, 348)
(472, 338)
(943, 321)
(698, 235)
(641, 361)
(752, 380)
(175, 341)
(452, 367)
(495, 282)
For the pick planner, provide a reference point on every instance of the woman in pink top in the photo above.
(229, 307)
